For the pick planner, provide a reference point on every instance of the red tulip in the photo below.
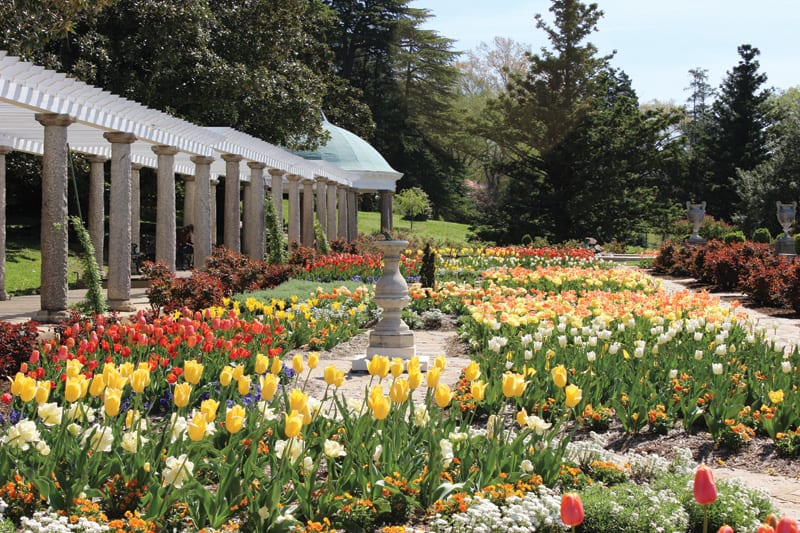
(725, 529)
(787, 525)
(705, 489)
(765, 528)
(571, 509)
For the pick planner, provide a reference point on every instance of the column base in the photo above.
(4, 296)
(51, 316)
(391, 346)
(121, 305)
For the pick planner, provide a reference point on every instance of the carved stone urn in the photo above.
(786, 215)
(696, 213)
(391, 336)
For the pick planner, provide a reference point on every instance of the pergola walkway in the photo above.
(46, 113)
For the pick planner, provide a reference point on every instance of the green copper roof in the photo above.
(348, 151)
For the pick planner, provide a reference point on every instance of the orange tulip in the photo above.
(765, 528)
(787, 525)
(705, 489)
(571, 509)
(725, 529)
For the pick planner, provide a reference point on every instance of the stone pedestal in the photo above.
(391, 337)
(696, 213)
(786, 215)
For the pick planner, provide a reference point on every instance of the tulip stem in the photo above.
(705, 519)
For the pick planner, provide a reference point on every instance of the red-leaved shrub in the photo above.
(17, 341)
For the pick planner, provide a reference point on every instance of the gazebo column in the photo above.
(254, 212)
(342, 233)
(322, 203)
(202, 209)
(308, 212)
(136, 206)
(233, 216)
(387, 223)
(213, 182)
(4, 150)
(277, 193)
(331, 211)
(97, 208)
(352, 215)
(119, 227)
(166, 225)
(54, 240)
(294, 208)
(189, 199)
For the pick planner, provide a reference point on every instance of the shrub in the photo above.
(762, 235)
(95, 302)
(797, 244)
(629, 507)
(792, 292)
(17, 341)
(302, 256)
(427, 271)
(734, 236)
(721, 266)
(664, 262)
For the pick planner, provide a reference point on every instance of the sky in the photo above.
(657, 42)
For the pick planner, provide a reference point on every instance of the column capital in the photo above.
(244, 183)
(136, 167)
(308, 181)
(187, 177)
(322, 179)
(342, 187)
(294, 177)
(164, 149)
(54, 119)
(94, 158)
(256, 165)
(4, 150)
(232, 158)
(119, 137)
(276, 172)
(201, 160)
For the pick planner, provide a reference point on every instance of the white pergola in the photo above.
(46, 113)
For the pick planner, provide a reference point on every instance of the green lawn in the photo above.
(24, 268)
(438, 231)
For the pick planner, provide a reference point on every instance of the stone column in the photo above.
(3, 151)
(342, 233)
(202, 210)
(294, 208)
(189, 199)
(387, 222)
(233, 216)
(322, 203)
(352, 215)
(119, 225)
(213, 206)
(308, 212)
(166, 225)
(97, 208)
(254, 212)
(54, 240)
(277, 194)
(331, 211)
(136, 206)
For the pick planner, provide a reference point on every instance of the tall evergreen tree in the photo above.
(739, 132)
(698, 129)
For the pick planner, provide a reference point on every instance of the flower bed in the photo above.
(192, 420)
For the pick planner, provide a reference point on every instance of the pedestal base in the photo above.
(695, 239)
(785, 246)
(389, 345)
(49, 316)
(121, 305)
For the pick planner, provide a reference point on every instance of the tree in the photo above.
(698, 129)
(738, 139)
(412, 203)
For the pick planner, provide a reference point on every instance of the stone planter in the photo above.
(391, 337)
(786, 214)
(696, 213)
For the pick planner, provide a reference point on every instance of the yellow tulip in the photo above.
(574, 395)
(234, 419)
(478, 390)
(333, 376)
(433, 376)
(277, 366)
(243, 385)
(297, 363)
(379, 403)
(209, 409)
(396, 367)
(114, 380)
(413, 364)
(97, 386)
(775, 396)
(43, 391)
(559, 374)
(225, 376)
(414, 378)
(192, 371)
(269, 386)
(73, 389)
(297, 400)
(16, 384)
(73, 368)
(473, 371)
(399, 390)
(140, 379)
(513, 384)
(522, 417)
(132, 417)
(378, 366)
(262, 362)
(442, 395)
(440, 362)
(313, 360)
(294, 424)
(197, 427)
(126, 369)
(183, 392)
(238, 372)
(111, 401)
(28, 389)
